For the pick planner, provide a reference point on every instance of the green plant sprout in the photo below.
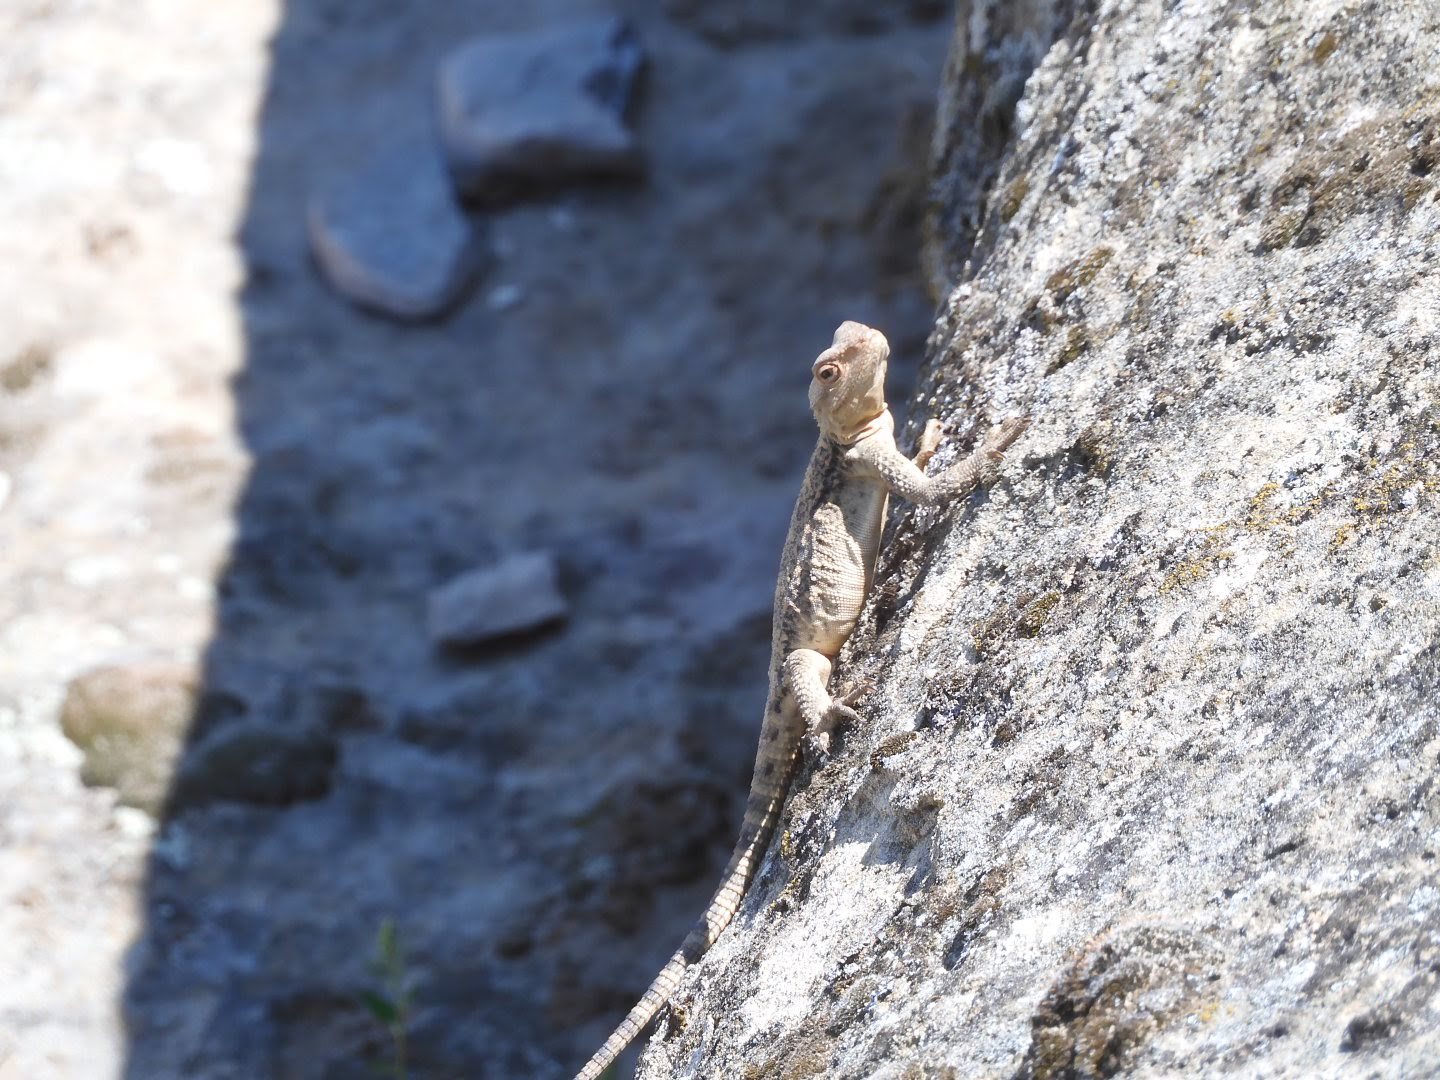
(390, 1003)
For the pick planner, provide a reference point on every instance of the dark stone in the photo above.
(256, 762)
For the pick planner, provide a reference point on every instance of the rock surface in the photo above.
(519, 593)
(1149, 782)
(391, 237)
(526, 112)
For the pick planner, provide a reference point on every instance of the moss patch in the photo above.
(1013, 197)
(1385, 165)
(1076, 342)
(1211, 554)
(1114, 998)
(1036, 615)
(1079, 273)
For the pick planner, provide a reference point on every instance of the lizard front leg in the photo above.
(807, 680)
(907, 479)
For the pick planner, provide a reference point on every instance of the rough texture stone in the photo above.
(1148, 783)
(519, 593)
(131, 721)
(525, 112)
(391, 237)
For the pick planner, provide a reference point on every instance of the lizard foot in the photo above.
(999, 439)
(858, 693)
(929, 442)
(816, 746)
(817, 740)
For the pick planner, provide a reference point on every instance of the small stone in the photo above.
(257, 762)
(520, 593)
(133, 824)
(529, 111)
(131, 722)
(504, 297)
(392, 239)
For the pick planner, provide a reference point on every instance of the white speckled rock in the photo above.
(1148, 786)
(527, 111)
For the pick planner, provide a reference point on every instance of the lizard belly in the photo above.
(843, 540)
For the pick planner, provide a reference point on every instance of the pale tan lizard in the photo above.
(825, 574)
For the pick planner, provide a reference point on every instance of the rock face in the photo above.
(529, 111)
(1149, 782)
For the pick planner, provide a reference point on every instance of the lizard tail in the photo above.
(762, 811)
(644, 1010)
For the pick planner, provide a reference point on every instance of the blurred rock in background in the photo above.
(213, 465)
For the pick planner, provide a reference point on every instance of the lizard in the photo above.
(826, 570)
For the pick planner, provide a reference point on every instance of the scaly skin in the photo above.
(825, 574)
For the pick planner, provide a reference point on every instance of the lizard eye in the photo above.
(827, 373)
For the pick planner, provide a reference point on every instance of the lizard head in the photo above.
(847, 384)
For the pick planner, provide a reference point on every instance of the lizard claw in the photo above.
(930, 437)
(816, 745)
(929, 442)
(816, 741)
(1005, 433)
(999, 439)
